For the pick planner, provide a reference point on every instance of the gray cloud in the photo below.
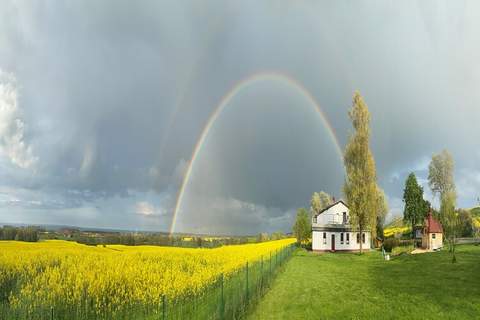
(112, 97)
(12, 126)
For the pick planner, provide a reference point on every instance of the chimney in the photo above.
(333, 199)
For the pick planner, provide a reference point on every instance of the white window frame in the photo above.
(324, 238)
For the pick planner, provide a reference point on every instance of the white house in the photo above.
(331, 230)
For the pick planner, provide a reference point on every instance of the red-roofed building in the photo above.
(432, 237)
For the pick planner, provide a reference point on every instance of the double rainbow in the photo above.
(236, 89)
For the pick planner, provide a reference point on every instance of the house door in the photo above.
(333, 242)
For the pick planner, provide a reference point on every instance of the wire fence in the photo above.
(229, 297)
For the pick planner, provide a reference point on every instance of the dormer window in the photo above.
(344, 218)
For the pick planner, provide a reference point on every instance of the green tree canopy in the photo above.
(440, 173)
(416, 207)
(382, 210)
(360, 186)
(320, 200)
(441, 181)
(302, 228)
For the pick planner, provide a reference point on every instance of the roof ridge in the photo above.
(331, 205)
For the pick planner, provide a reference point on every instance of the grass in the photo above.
(402, 249)
(350, 286)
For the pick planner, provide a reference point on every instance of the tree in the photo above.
(450, 220)
(302, 227)
(466, 228)
(382, 210)
(416, 207)
(277, 235)
(320, 200)
(360, 186)
(441, 182)
(440, 173)
(476, 227)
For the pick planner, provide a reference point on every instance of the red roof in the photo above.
(432, 225)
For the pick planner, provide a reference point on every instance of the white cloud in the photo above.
(145, 208)
(12, 126)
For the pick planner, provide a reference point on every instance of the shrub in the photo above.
(406, 243)
(390, 243)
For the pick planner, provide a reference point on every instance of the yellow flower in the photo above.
(60, 273)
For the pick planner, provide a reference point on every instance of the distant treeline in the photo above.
(135, 239)
(29, 234)
(93, 238)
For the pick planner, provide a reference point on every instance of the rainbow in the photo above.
(237, 88)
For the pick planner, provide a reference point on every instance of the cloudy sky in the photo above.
(103, 102)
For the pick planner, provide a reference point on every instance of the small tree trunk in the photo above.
(413, 234)
(361, 238)
(454, 258)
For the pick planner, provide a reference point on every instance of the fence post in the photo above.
(51, 313)
(261, 274)
(164, 308)
(247, 285)
(270, 261)
(222, 301)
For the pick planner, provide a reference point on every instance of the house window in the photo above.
(358, 237)
(363, 237)
(344, 218)
(433, 235)
(315, 219)
(341, 238)
(348, 238)
(324, 238)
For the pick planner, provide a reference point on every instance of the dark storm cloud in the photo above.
(112, 97)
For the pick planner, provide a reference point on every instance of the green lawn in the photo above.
(349, 286)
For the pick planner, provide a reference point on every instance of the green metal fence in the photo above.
(229, 297)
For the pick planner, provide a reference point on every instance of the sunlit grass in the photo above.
(350, 286)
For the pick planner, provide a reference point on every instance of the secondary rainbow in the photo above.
(237, 88)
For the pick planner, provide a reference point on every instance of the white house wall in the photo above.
(335, 211)
(318, 245)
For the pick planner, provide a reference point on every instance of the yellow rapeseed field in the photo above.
(54, 272)
(388, 232)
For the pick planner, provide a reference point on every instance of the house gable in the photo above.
(336, 213)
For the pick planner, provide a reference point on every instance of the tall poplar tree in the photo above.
(360, 186)
(441, 181)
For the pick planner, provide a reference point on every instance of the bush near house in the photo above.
(391, 244)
